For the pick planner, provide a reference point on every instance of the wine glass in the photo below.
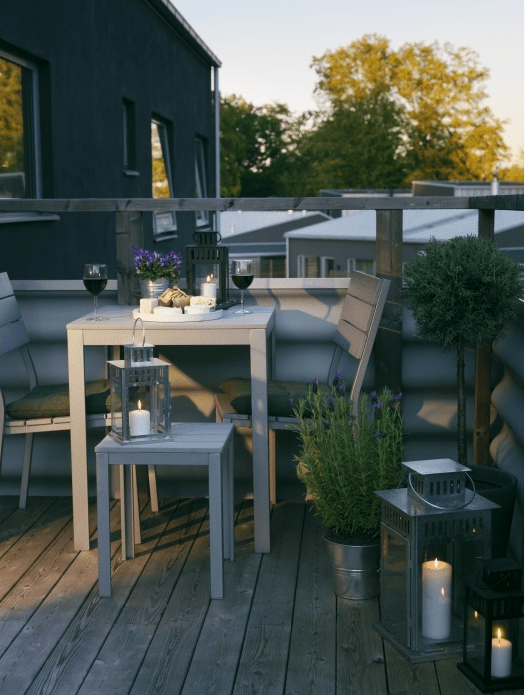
(242, 277)
(95, 279)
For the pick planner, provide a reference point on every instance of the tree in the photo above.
(448, 131)
(11, 120)
(462, 292)
(255, 144)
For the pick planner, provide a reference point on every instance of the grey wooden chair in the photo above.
(43, 408)
(355, 334)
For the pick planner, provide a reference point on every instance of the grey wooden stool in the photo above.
(196, 444)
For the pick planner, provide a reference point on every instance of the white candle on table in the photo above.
(139, 422)
(209, 289)
(501, 661)
(436, 599)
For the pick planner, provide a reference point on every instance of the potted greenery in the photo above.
(462, 292)
(157, 272)
(343, 459)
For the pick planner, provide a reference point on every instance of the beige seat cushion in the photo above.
(53, 401)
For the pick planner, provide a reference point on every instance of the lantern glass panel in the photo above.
(394, 584)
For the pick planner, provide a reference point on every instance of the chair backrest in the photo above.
(13, 333)
(357, 327)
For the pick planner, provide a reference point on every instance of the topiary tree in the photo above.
(462, 292)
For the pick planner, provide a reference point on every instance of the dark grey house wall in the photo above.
(92, 55)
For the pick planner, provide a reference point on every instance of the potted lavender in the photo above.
(343, 459)
(157, 272)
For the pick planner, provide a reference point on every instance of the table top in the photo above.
(119, 317)
(190, 437)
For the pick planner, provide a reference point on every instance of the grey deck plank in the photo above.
(311, 662)
(405, 678)
(360, 657)
(116, 666)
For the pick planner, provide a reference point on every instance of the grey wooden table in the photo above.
(189, 444)
(255, 330)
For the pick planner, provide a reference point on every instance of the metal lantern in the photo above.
(140, 394)
(493, 627)
(207, 263)
(432, 534)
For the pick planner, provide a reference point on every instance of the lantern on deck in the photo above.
(433, 534)
(207, 264)
(493, 627)
(140, 394)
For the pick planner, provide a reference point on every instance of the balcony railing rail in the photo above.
(389, 243)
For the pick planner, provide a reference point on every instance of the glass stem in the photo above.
(95, 303)
(242, 300)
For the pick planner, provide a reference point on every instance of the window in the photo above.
(202, 217)
(164, 223)
(128, 131)
(308, 266)
(273, 267)
(20, 175)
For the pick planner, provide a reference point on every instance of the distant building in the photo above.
(111, 100)
(335, 247)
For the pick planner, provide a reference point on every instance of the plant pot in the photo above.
(500, 487)
(355, 569)
(150, 289)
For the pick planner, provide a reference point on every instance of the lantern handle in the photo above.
(436, 506)
(143, 332)
(197, 234)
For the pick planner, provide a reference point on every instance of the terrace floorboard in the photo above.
(279, 629)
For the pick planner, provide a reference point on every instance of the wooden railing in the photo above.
(389, 242)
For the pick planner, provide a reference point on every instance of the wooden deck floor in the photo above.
(279, 629)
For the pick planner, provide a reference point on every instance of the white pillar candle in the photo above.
(436, 599)
(139, 423)
(209, 289)
(501, 661)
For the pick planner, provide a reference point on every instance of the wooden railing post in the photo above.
(482, 390)
(389, 256)
(128, 232)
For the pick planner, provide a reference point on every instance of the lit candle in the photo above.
(436, 599)
(209, 289)
(501, 661)
(139, 422)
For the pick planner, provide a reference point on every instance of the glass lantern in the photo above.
(207, 264)
(433, 534)
(493, 627)
(140, 394)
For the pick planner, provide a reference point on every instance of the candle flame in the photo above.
(499, 634)
(476, 614)
(208, 278)
(139, 406)
(436, 563)
(442, 591)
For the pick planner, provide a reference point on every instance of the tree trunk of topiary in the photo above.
(462, 417)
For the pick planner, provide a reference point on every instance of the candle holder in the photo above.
(207, 262)
(140, 394)
(493, 627)
(432, 534)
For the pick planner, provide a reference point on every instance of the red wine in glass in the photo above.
(242, 277)
(95, 280)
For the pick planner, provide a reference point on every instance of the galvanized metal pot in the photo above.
(355, 569)
(153, 288)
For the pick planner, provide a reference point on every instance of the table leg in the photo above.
(103, 528)
(79, 476)
(227, 503)
(216, 530)
(261, 479)
(126, 512)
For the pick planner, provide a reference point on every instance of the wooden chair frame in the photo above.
(354, 335)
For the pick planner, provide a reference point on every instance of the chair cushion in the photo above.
(281, 395)
(53, 401)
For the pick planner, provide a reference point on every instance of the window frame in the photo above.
(166, 231)
(202, 217)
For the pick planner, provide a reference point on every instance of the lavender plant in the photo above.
(344, 459)
(151, 265)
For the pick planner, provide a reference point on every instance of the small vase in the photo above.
(150, 289)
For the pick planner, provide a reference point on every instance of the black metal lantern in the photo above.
(432, 535)
(493, 627)
(140, 394)
(207, 264)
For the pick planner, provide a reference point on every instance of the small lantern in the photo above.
(207, 264)
(493, 627)
(432, 534)
(140, 394)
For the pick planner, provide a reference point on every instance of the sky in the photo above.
(266, 48)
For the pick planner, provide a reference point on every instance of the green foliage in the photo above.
(11, 118)
(462, 290)
(343, 459)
